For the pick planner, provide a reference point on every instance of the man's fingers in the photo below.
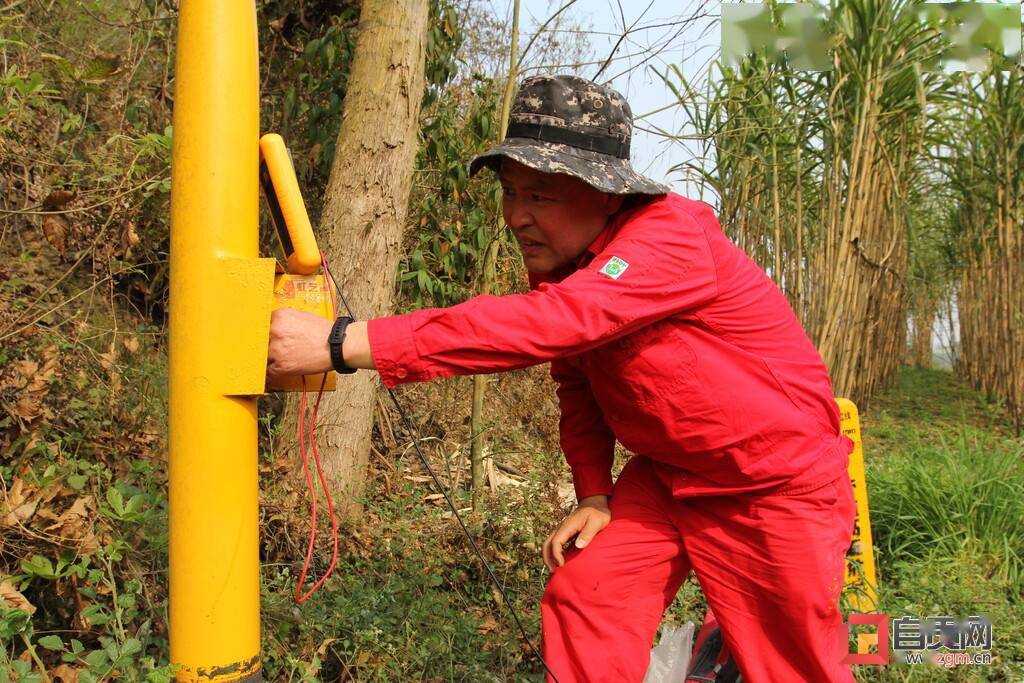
(280, 318)
(593, 525)
(546, 552)
(569, 528)
(271, 357)
(557, 558)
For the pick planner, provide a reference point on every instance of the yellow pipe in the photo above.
(220, 298)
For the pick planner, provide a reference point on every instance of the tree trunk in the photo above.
(364, 214)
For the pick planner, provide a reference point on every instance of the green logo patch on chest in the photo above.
(614, 268)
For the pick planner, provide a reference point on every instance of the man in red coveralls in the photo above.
(662, 335)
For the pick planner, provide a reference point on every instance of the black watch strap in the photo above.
(335, 341)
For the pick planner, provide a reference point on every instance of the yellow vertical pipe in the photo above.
(214, 560)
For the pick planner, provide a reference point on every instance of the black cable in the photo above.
(437, 483)
(476, 549)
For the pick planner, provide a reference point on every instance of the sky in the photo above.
(691, 47)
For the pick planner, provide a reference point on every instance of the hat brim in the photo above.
(601, 171)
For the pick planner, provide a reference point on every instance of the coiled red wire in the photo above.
(310, 431)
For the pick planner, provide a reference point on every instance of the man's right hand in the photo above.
(590, 516)
(298, 344)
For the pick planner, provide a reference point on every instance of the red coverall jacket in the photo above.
(664, 336)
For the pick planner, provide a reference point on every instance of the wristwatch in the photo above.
(335, 340)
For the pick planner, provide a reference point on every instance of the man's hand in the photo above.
(590, 516)
(298, 343)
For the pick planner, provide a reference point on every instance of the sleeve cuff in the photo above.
(591, 480)
(393, 349)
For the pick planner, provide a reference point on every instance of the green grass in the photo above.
(946, 493)
(945, 497)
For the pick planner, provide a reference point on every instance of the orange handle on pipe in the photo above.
(288, 211)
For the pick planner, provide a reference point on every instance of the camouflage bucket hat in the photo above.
(566, 124)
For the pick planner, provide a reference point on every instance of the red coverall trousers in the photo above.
(687, 353)
(771, 568)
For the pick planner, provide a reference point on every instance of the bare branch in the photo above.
(625, 32)
(656, 49)
(526, 50)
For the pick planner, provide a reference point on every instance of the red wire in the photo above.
(299, 595)
(312, 493)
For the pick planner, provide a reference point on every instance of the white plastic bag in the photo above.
(671, 657)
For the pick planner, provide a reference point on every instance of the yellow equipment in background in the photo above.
(861, 579)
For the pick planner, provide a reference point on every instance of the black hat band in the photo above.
(594, 143)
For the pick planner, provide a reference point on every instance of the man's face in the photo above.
(554, 217)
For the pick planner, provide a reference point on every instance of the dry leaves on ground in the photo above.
(11, 597)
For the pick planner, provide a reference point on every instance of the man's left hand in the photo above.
(586, 521)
